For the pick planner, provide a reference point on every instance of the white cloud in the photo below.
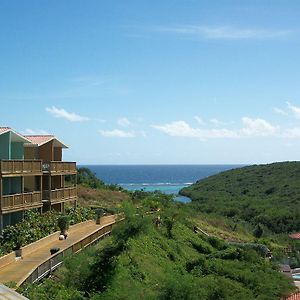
(252, 127)
(224, 32)
(199, 120)
(117, 133)
(124, 122)
(257, 127)
(29, 131)
(291, 133)
(183, 129)
(177, 128)
(280, 111)
(216, 122)
(295, 110)
(61, 113)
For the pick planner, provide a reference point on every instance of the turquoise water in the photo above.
(169, 179)
(296, 276)
(164, 188)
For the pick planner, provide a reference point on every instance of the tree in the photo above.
(258, 231)
(63, 223)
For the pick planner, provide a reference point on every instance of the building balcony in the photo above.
(60, 195)
(20, 167)
(16, 202)
(60, 168)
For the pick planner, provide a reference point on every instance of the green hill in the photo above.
(260, 194)
(169, 261)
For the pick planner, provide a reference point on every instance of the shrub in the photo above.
(258, 231)
(63, 223)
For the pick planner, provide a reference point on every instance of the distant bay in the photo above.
(165, 178)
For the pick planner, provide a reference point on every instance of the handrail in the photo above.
(60, 167)
(20, 166)
(21, 200)
(60, 194)
(52, 263)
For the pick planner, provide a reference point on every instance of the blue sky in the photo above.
(153, 82)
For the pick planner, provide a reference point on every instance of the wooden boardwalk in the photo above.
(19, 270)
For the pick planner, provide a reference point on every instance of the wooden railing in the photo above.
(13, 167)
(60, 167)
(62, 194)
(11, 202)
(56, 259)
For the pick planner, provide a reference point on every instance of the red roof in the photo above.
(295, 296)
(4, 129)
(39, 139)
(43, 139)
(295, 236)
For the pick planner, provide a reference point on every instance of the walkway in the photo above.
(8, 294)
(19, 270)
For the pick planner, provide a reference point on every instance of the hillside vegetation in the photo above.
(146, 259)
(93, 192)
(262, 195)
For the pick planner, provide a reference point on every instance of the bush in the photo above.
(36, 226)
(63, 223)
(258, 231)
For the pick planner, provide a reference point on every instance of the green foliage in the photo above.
(36, 226)
(79, 214)
(258, 231)
(51, 290)
(103, 269)
(63, 223)
(87, 178)
(134, 224)
(261, 194)
(142, 262)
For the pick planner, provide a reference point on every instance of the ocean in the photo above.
(165, 178)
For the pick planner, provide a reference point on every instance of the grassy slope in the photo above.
(103, 198)
(266, 194)
(186, 266)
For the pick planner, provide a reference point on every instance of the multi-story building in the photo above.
(33, 175)
(59, 177)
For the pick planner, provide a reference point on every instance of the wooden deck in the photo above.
(23, 167)
(61, 195)
(60, 168)
(12, 203)
(19, 270)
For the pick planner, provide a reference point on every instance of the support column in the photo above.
(1, 222)
(1, 215)
(1, 189)
(49, 190)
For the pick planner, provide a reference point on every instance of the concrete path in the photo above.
(8, 294)
(19, 270)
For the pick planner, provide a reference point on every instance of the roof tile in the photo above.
(39, 139)
(4, 129)
(295, 236)
(295, 296)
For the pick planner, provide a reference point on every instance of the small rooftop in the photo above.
(295, 236)
(40, 140)
(15, 137)
(295, 296)
(4, 129)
